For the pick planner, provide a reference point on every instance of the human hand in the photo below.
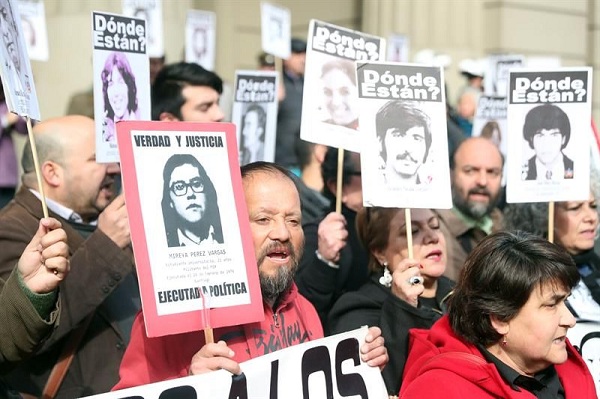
(332, 236)
(114, 222)
(45, 261)
(214, 356)
(373, 351)
(404, 281)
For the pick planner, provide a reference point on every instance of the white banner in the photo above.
(325, 368)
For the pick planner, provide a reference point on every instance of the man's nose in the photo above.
(482, 178)
(113, 169)
(279, 231)
(218, 114)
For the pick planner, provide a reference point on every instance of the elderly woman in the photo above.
(575, 229)
(505, 332)
(401, 293)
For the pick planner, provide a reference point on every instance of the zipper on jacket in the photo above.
(276, 319)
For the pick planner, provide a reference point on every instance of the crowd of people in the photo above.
(474, 308)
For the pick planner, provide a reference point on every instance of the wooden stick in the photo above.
(340, 183)
(409, 240)
(551, 221)
(209, 338)
(36, 163)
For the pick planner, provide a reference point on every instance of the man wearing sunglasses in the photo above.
(189, 204)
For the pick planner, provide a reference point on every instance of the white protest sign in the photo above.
(151, 12)
(17, 78)
(330, 107)
(200, 32)
(275, 30)
(548, 154)
(121, 78)
(255, 114)
(326, 368)
(586, 337)
(404, 157)
(33, 22)
(496, 75)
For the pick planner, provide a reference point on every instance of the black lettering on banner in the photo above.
(548, 87)
(255, 89)
(239, 387)
(316, 360)
(334, 40)
(403, 82)
(115, 32)
(181, 392)
(274, 379)
(349, 384)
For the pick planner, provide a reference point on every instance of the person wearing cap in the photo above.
(266, 62)
(290, 109)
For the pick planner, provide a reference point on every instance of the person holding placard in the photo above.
(394, 298)
(189, 204)
(547, 130)
(505, 335)
(101, 295)
(476, 176)
(186, 92)
(276, 226)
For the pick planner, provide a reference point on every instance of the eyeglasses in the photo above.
(180, 187)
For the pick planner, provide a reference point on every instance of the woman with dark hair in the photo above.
(491, 130)
(340, 93)
(120, 93)
(576, 230)
(252, 136)
(505, 332)
(401, 293)
(189, 204)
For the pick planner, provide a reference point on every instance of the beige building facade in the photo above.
(569, 29)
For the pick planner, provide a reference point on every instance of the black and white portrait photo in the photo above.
(547, 130)
(252, 138)
(404, 133)
(189, 204)
(338, 78)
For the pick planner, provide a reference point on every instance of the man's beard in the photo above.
(474, 209)
(272, 286)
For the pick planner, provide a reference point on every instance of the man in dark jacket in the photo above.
(102, 288)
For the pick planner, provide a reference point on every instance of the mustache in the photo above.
(480, 191)
(405, 156)
(274, 246)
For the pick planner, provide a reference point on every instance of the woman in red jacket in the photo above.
(505, 333)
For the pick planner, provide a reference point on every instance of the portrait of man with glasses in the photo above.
(189, 204)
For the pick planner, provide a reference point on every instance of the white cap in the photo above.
(472, 67)
(429, 57)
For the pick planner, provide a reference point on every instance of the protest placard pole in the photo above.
(408, 223)
(36, 163)
(209, 337)
(551, 221)
(340, 183)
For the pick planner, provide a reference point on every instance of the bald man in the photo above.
(476, 176)
(102, 288)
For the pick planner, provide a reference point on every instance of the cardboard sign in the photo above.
(189, 226)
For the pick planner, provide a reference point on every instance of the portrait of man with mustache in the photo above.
(404, 134)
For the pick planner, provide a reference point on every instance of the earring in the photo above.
(504, 343)
(386, 279)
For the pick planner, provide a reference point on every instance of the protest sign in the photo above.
(330, 107)
(585, 336)
(121, 78)
(404, 158)
(490, 120)
(496, 75)
(33, 24)
(17, 78)
(200, 33)
(325, 368)
(151, 12)
(255, 115)
(397, 48)
(191, 235)
(548, 154)
(276, 22)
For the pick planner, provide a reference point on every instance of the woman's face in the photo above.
(535, 337)
(575, 225)
(429, 245)
(340, 97)
(251, 129)
(187, 193)
(118, 95)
